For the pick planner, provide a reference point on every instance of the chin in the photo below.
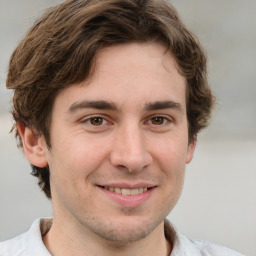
(126, 230)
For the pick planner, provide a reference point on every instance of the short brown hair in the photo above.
(60, 50)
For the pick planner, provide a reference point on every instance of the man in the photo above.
(109, 96)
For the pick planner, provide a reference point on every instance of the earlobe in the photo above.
(191, 150)
(33, 145)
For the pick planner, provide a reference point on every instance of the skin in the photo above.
(126, 127)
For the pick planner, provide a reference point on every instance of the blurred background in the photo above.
(219, 198)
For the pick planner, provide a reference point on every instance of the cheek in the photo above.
(170, 158)
(171, 152)
(79, 155)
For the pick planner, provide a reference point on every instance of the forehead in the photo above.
(134, 55)
(131, 73)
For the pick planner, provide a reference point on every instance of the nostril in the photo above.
(122, 167)
(130, 159)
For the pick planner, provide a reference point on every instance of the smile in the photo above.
(127, 195)
(126, 191)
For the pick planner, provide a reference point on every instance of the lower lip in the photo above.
(131, 201)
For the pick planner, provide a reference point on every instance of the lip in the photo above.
(127, 185)
(128, 201)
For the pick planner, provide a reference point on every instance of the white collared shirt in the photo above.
(31, 244)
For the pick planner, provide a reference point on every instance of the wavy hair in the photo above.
(60, 50)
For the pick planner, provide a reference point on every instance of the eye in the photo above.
(97, 121)
(94, 121)
(158, 120)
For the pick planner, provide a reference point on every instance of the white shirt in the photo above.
(31, 244)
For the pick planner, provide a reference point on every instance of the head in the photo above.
(61, 48)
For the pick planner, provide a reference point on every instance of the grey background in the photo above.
(219, 198)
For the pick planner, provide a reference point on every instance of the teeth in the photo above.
(126, 191)
(134, 192)
(118, 190)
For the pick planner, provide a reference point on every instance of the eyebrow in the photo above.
(106, 105)
(98, 104)
(163, 105)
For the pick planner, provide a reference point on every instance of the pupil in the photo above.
(96, 121)
(157, 120)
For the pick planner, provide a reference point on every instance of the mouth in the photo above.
(128, 196)
(127, 191)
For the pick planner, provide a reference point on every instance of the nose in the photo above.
(129, 151)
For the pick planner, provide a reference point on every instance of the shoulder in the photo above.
(27, 244)
(13, 247)
(185, 246)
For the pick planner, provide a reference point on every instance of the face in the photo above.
(119, 144)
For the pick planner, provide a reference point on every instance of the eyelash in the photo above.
(164, 121)
(91, 118)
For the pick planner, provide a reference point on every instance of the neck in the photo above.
(76, 242)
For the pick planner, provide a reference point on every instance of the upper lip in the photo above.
(128, 185)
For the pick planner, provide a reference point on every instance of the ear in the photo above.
(190, 151)
(34, 146)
